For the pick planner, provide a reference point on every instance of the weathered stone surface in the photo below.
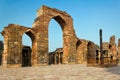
(91, 56)
(56, 56)
(39, 35)
(13, 44)
(113, 47)
(109, 54)
(45, 14)
(1, 51)
(106, 45)
(82, 50)
(119, 50)
(81, 46)
(74, 50)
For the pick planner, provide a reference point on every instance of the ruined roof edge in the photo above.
(54, 9)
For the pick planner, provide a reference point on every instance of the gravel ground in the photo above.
(60, 72)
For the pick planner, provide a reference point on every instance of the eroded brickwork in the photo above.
(91, 56)
(1, 51)
(119, 50)
(109, 54)
(81, 46)
(12, 55)
(45, 14)
(113, 48)
(13, 44)
(74, 50)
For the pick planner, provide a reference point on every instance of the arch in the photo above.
(45, 14)
(12, 55)
(26, 40)
(55, 37)
(30, 34)
(78, 44)
(39, 35)
(26, 50)
(1, 37)
(29, 51)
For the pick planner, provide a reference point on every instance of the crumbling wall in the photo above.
(1, 51)
(113, 48)
(91, 56)
(12, 34)
(119, 50)
(12, 44)
(81, 47)
(39, 36)
(45, 14)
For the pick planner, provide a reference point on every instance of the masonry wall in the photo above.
(44, 16)
(12, 55)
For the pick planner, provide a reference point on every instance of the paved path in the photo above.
(60, 72)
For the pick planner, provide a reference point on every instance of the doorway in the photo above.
(26, 56)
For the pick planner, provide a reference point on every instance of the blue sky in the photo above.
(88, 17)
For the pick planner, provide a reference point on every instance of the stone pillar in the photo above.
(4, 55)
(59, 58)
(69, 47)
(119, 50)
(55, 59)
(113, 50)
(101, 47)
(91, 57)
(113, 47)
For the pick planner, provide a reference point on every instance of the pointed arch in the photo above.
(55, 36)
(30, 50)
(45, 14)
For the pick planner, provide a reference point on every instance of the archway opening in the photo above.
(26, 50)
(55, 36)
(1, 48)
(26, 56)
(78, 44)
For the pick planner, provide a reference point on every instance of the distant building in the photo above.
(109, 55)
(56, 56)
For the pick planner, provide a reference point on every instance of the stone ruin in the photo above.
(74, 51)
(13, 48)
(1, 51)
(56, 56)
(105, 56)
(119, 50)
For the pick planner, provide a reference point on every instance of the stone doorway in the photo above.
(26, 56)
